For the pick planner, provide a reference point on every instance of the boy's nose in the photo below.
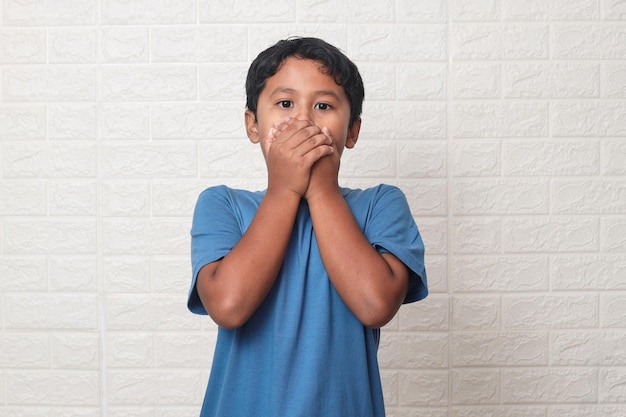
(303, 113)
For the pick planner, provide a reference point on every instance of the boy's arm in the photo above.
(372, 285)
(232, 288)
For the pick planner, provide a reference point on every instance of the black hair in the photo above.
(334, 62)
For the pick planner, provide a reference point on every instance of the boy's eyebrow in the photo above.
(287, 90)
(282, 90)
(328, 93)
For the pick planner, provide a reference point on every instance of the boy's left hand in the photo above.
(325, 172)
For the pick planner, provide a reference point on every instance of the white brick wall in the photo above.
(504, 121)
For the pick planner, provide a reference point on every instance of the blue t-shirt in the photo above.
(302, 353)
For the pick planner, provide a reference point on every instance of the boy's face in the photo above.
(301, 90)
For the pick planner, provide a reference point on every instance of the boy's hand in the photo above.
(294, 146)
(325, 172)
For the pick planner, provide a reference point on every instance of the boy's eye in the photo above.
(322, 106)
(285, 104)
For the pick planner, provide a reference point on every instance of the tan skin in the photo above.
(302, 125)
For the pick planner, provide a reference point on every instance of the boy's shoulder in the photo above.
(377, 192)
(226, 191)
(225, 196)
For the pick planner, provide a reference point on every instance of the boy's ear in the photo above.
(353, 133)
(252, 127)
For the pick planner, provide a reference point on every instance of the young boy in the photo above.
(300, 277)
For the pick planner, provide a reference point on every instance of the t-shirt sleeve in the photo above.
(392, 229)
(214, 232)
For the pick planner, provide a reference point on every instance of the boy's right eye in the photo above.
(285, 104)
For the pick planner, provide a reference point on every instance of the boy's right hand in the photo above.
(293, 146)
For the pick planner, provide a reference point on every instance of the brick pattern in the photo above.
(502, 120)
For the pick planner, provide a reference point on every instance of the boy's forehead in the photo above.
(294, 58)
(302, 64)
(294, 69)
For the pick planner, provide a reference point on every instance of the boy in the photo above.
(301, 277)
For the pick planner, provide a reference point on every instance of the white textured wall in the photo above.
(503, 120)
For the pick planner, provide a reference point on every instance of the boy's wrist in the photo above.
(283, 194)
(323, 195)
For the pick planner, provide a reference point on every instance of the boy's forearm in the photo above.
(372, 285)
(232, 289)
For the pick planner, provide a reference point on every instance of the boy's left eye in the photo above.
(285, 104)
(322, 106)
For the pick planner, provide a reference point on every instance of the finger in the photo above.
(285, 120)
(270, 136)
(297, 134)
(313, 142)
(292, 125)
(273, 134)
(317, 153)
(326, 131)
